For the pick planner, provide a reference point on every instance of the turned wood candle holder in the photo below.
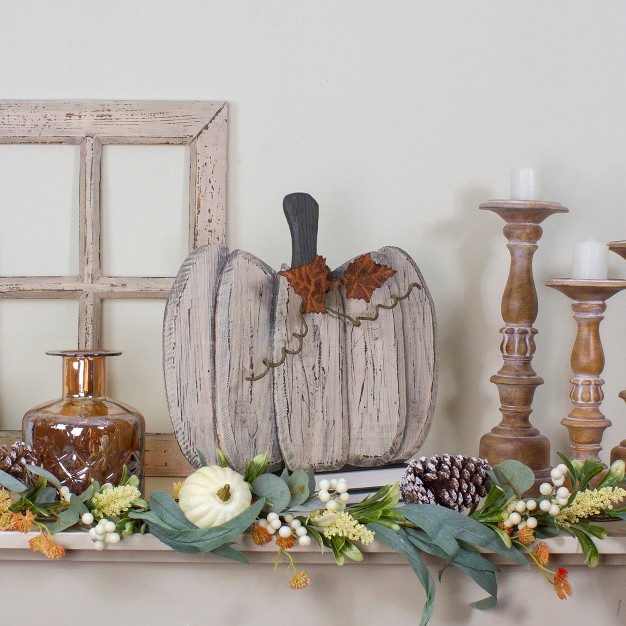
(619, 451)
(586, 423)
(515, 437)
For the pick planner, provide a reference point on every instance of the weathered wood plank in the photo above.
(188, 352)
(163, 455)
(420, 354)
(207, 182)
(243, 316)
(112, 121)
(309, 386)
(375, 394)
(71, 287)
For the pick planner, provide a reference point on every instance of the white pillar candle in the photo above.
(525, 184)
(590, 260)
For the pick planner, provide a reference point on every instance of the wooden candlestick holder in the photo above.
(515, 437)
(586, 423)
(619, 451)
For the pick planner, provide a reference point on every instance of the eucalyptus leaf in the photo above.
(201, 540)
(77, 504)
(48, 495)
(399, 542)
(444, 526)
(228, 552)
(167, 509)
(311, 475)
(150, 518)
(312, 504)
(274, 490)
(12, 484)
(66, 519)
(40, 471)
(202, 458)
(513, 477)
(298, 484)
(88, 493)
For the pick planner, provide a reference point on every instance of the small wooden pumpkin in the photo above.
(360, 396)
(213, 495)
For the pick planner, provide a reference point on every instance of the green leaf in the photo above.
(352, 552)
(513, 477)
(256, 467)
(592, 557)
(591, 529)
(66, 519)
(298, 484)
(167, 509)
(202, 458)
(76, 503)
(591, 468)
(317, 536)
(228, 552)
(88, 493)
(399, 542)
(614, 476)
(12, 484)
(506, 540)
(40, 471)
(151, 518)
(311, 475)
(274, 490)
(486, 603)
(443, 526)
(337, 544)
(48, 495)
(200, 539)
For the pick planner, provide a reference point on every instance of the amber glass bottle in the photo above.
(84, 435)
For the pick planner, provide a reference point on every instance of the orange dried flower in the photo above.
(507, 529)
(24, 523)
(260, 535)
(561, 584)
(542, 554)
(300, 581)
(46, 546)
(526, 536)
(6, 521)
(286, 542)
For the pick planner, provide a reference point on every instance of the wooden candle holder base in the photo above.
(586, 423)
(515, 437)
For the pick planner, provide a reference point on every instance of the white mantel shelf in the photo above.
(148, 549)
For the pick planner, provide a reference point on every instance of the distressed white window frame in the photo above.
(92, 124)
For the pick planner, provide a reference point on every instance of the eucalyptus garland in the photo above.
(291, 510)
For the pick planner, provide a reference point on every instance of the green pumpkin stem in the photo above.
(224, 493)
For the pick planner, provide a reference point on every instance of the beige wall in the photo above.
(399, 117)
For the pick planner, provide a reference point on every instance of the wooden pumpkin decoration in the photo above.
(356, 383)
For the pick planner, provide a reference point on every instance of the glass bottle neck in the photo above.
(84, 377)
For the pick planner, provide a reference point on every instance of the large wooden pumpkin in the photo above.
(359, 395)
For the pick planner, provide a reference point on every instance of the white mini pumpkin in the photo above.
(213, 495)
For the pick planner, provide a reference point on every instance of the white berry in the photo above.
(99, 545)
(284, 532)
(342, 486)
(511, 507)
(93, 535)
(324, 496)
(304, 541)
(109, 527)
(556, 473)
(515, 518)
(100, 532)
(295, 523)
(288, 518)
(562, 492)
(301, 531)
(112, 538)
(562, 468)
(270, 529)
(332, 505)
(531, 505)
(103, 521)
(554, 510)
(272, 516)
(324, 484)
(520, 507)
(64, 491)
(263, 523)
(344, 497)
(507, 524)
(559, 482)
(87, 518)
(545, 505)
(546, 489)
(531, 522)
(276, 523)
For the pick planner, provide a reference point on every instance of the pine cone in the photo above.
(13, 460)
(455, 482)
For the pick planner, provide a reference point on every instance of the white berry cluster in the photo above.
(287, 526)
(334, 494)
(102, 533)
(521, 512)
